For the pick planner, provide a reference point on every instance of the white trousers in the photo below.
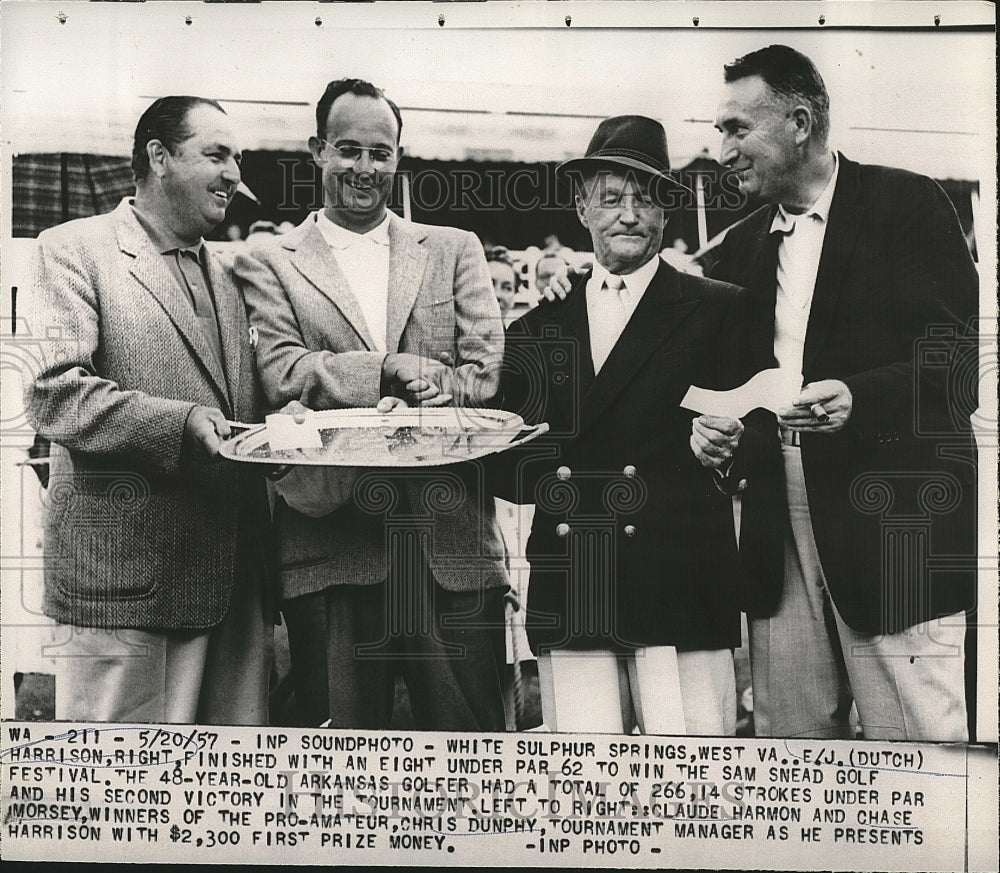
(661, 690)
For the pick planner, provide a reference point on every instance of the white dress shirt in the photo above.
(363, 258)
(608, 311)
(798, 262)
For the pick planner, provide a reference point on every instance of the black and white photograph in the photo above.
(499, 433)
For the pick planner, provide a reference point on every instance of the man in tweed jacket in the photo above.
(353, 305)
(154, 557)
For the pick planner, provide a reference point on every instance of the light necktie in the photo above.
(609, 316)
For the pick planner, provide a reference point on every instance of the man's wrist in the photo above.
(388, 370)
(188, 448)
(386, 377)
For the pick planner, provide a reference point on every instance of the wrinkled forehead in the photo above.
(612, 182)
(745, 99)
(207, 124)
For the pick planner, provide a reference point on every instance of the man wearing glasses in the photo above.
(353, 305)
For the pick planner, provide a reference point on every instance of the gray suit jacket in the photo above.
(314, 347)
(136, 535)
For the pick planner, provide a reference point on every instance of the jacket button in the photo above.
(562, 529)
(564, 473)
(629, 471)
(630, 530)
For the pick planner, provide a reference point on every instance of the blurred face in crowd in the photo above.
(625, 224)
(504, 284)
(759, 139)
(546, 268)
(358, 158)
(199, 179)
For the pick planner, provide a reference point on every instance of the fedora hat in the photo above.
(632, 141)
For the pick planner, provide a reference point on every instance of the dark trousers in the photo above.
(348, 643)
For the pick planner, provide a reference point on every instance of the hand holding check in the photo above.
(714, 440)
(821, 407)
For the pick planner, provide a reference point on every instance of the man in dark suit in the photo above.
(155, 556)
(636, 582)
(859, 269)
(353, 305)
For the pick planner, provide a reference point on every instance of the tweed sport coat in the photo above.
(892, 496)
(632, 542)
(136, 534)
(315, 347)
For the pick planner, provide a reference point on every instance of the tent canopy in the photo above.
(913, 99)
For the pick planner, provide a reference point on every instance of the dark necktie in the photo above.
(201, 299)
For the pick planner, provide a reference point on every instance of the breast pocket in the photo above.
(432, 326)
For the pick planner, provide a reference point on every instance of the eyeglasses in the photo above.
(350, 154)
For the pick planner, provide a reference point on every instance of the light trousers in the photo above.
(808, 666)
(661, 690)
(218, 676)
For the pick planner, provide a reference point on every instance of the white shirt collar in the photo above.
(338, 237)
(785, 221)
(636, 282)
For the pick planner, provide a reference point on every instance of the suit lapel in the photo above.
(149, 271)
(845, 222)
(762, 277)
(232, 321)
(660, 312)
(407, 260)
(571, 326)
(764, 263)
(578, 325)
(313, 258)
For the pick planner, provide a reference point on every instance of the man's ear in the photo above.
(802, 120)
(580, 210)
(157, 153)
(316, 146)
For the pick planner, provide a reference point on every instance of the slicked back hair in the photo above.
(165, 120)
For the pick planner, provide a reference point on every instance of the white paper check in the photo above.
(284, 433)
(773, 389)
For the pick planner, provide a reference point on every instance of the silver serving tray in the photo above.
(412, 437)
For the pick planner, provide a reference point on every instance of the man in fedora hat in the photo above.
(636, 579)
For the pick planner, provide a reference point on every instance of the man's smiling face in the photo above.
(200, 178)
(758, 138)
(356, 190)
